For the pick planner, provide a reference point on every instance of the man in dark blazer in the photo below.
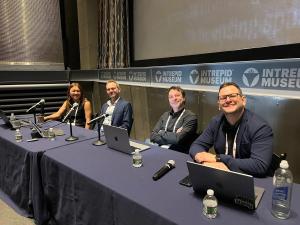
(176, 129)
(242, 140)
(119, 111)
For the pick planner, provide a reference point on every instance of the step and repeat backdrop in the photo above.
(274, 77)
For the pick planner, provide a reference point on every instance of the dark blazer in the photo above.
(254, 144)
(178, 141)
(122, 115)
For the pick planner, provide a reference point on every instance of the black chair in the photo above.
(276, 159)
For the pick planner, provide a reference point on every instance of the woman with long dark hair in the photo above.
(81, 115)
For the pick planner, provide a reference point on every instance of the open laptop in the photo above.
(13, 124)
(40, 132)
(230, 186)
(117, 138)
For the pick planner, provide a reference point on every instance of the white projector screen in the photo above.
(170, 28)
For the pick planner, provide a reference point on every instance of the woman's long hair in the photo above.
(70, 100)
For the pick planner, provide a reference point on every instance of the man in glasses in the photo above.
(242, 140)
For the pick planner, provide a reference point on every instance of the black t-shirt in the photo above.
(231, 130)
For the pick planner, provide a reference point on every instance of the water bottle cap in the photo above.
(284, 164)
(50, 129)
(17, 129)
(136, 150)
(210, 192)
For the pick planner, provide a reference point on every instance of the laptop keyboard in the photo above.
(136, 145)
(19, 123)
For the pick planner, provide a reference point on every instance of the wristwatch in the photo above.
(218, 158)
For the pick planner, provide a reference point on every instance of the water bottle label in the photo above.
(210, 210)
(137, 161)
(280, 193)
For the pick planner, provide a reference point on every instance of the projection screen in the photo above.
(170, 28)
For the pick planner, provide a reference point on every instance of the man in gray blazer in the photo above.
(119, 111)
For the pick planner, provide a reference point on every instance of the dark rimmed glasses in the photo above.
(232, 96)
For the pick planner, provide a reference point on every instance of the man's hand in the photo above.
(179, 130)
(217, 165)
(161, 132)
(202, 157)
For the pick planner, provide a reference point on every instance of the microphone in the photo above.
(98, 118)
(41, 102)
(166, 168)
(75, 104)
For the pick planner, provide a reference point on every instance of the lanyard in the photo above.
(166, 127)
(234, 144)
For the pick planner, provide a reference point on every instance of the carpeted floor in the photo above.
(9, 217)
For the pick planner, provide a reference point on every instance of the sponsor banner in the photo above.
(271, 75)
(207, 75)
(126, 75)
(106, 74)
(278, 74)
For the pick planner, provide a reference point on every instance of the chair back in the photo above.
(276, 159)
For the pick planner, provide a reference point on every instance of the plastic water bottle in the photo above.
(282, 192)
(210, 205)
(18, 135)
(137, 160)
(51, 134)
(12, 117)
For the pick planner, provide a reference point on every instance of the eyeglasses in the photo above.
(230, 96)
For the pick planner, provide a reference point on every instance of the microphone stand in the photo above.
(99, 142)
(71, 138)
(34, 118)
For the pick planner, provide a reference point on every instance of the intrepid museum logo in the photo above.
(194, 76)
(251, 77)
(282, 77)
(158, 76)
(215, 76)
(137, 76)
(167, 76)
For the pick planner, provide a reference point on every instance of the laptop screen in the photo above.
(5, 118)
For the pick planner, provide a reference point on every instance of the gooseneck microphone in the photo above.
(166, 168)
(75, 105)
(71, 138)
(41, 102)
(98, 118)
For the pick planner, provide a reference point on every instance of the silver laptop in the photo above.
(231, 186)
(117, 138)
(13, 124)
(41, 133)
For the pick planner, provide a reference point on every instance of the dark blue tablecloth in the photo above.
(19, 164)
(96, 185)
